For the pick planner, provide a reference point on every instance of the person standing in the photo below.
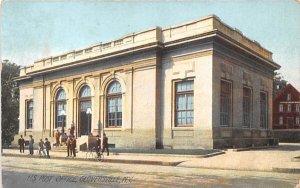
(57, 137)
(41, 147)
(68, 145)
(73, 146)
(98, 145)
(21, 142)
(31, 142)
(105, 144)
(47, 146)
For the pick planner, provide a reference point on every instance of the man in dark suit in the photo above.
(68, 145)
(98, 145)
(73, 146)
(105, 144)
(31, 142)
(47, 146)
(21, 142)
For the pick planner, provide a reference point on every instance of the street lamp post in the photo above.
(63, 114)
(89, 112)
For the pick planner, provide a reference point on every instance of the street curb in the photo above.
(161, 163)
(171, 155)
(212, 154)
(280, 170)
(296, 159)
(253, 148)
(287, 170)
(151, 154)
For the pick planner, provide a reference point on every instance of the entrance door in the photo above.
(85, 117)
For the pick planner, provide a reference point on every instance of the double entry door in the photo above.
(85, 117)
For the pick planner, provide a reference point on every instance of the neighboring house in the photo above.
(278, 85)
(286, 109)
(201, 84)
(286, 114)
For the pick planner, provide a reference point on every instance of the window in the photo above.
(297, 121)
(225, 103)
(114, 105)
(297, 107)
(280, 120)
(280, 107)
(247, 101)
(184, 102)
(29, 114)
(289, 97)
(289, 108)
(60, 104)
(85, 111)
(263, 110)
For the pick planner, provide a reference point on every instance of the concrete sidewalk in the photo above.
(273, 159)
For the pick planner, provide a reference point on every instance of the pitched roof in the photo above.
(283, 90)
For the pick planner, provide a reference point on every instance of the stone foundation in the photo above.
(287, 135)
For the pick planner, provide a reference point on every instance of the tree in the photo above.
(9, 101)
(278, 83)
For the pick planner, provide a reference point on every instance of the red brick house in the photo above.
(286, 109)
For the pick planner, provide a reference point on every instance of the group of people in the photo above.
(104, 145)
(70, 132)
(43, 145)
(71, 144)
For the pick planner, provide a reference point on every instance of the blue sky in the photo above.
(31, 30)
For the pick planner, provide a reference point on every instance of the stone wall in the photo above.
(287, 135)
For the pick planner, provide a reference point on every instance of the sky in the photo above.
(31, 30)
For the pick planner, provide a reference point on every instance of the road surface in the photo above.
(50, 173)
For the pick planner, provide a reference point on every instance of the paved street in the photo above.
(34, 173)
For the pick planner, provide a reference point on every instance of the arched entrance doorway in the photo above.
(85, 111)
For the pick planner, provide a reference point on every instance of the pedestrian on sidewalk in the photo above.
(57, 137)
(47, 146)
(68, 145)
(31, 142)
(73, 146)
(98, 145)
(105, 144)
(41, 148)
(21, 142)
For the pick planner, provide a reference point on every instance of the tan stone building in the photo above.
(201, 84)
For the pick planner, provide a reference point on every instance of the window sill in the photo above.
(114, 129)
(183, 128)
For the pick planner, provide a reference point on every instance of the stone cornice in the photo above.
(157, 37)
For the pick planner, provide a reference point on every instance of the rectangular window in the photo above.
(263, 110)
(280, 120)
(280, 107)
(184, 100)
(297, 107)
(60, 118)
(29, 113)
(115, 111)
(225, 103)
(297, 121)
(289, 108)
(247, 107)
(289, 97)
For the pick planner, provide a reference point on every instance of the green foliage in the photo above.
(278, 83)
(9, 101)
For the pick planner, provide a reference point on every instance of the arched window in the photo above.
(61, 112)
(85, 111)
(85, 91)
(114, 105)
